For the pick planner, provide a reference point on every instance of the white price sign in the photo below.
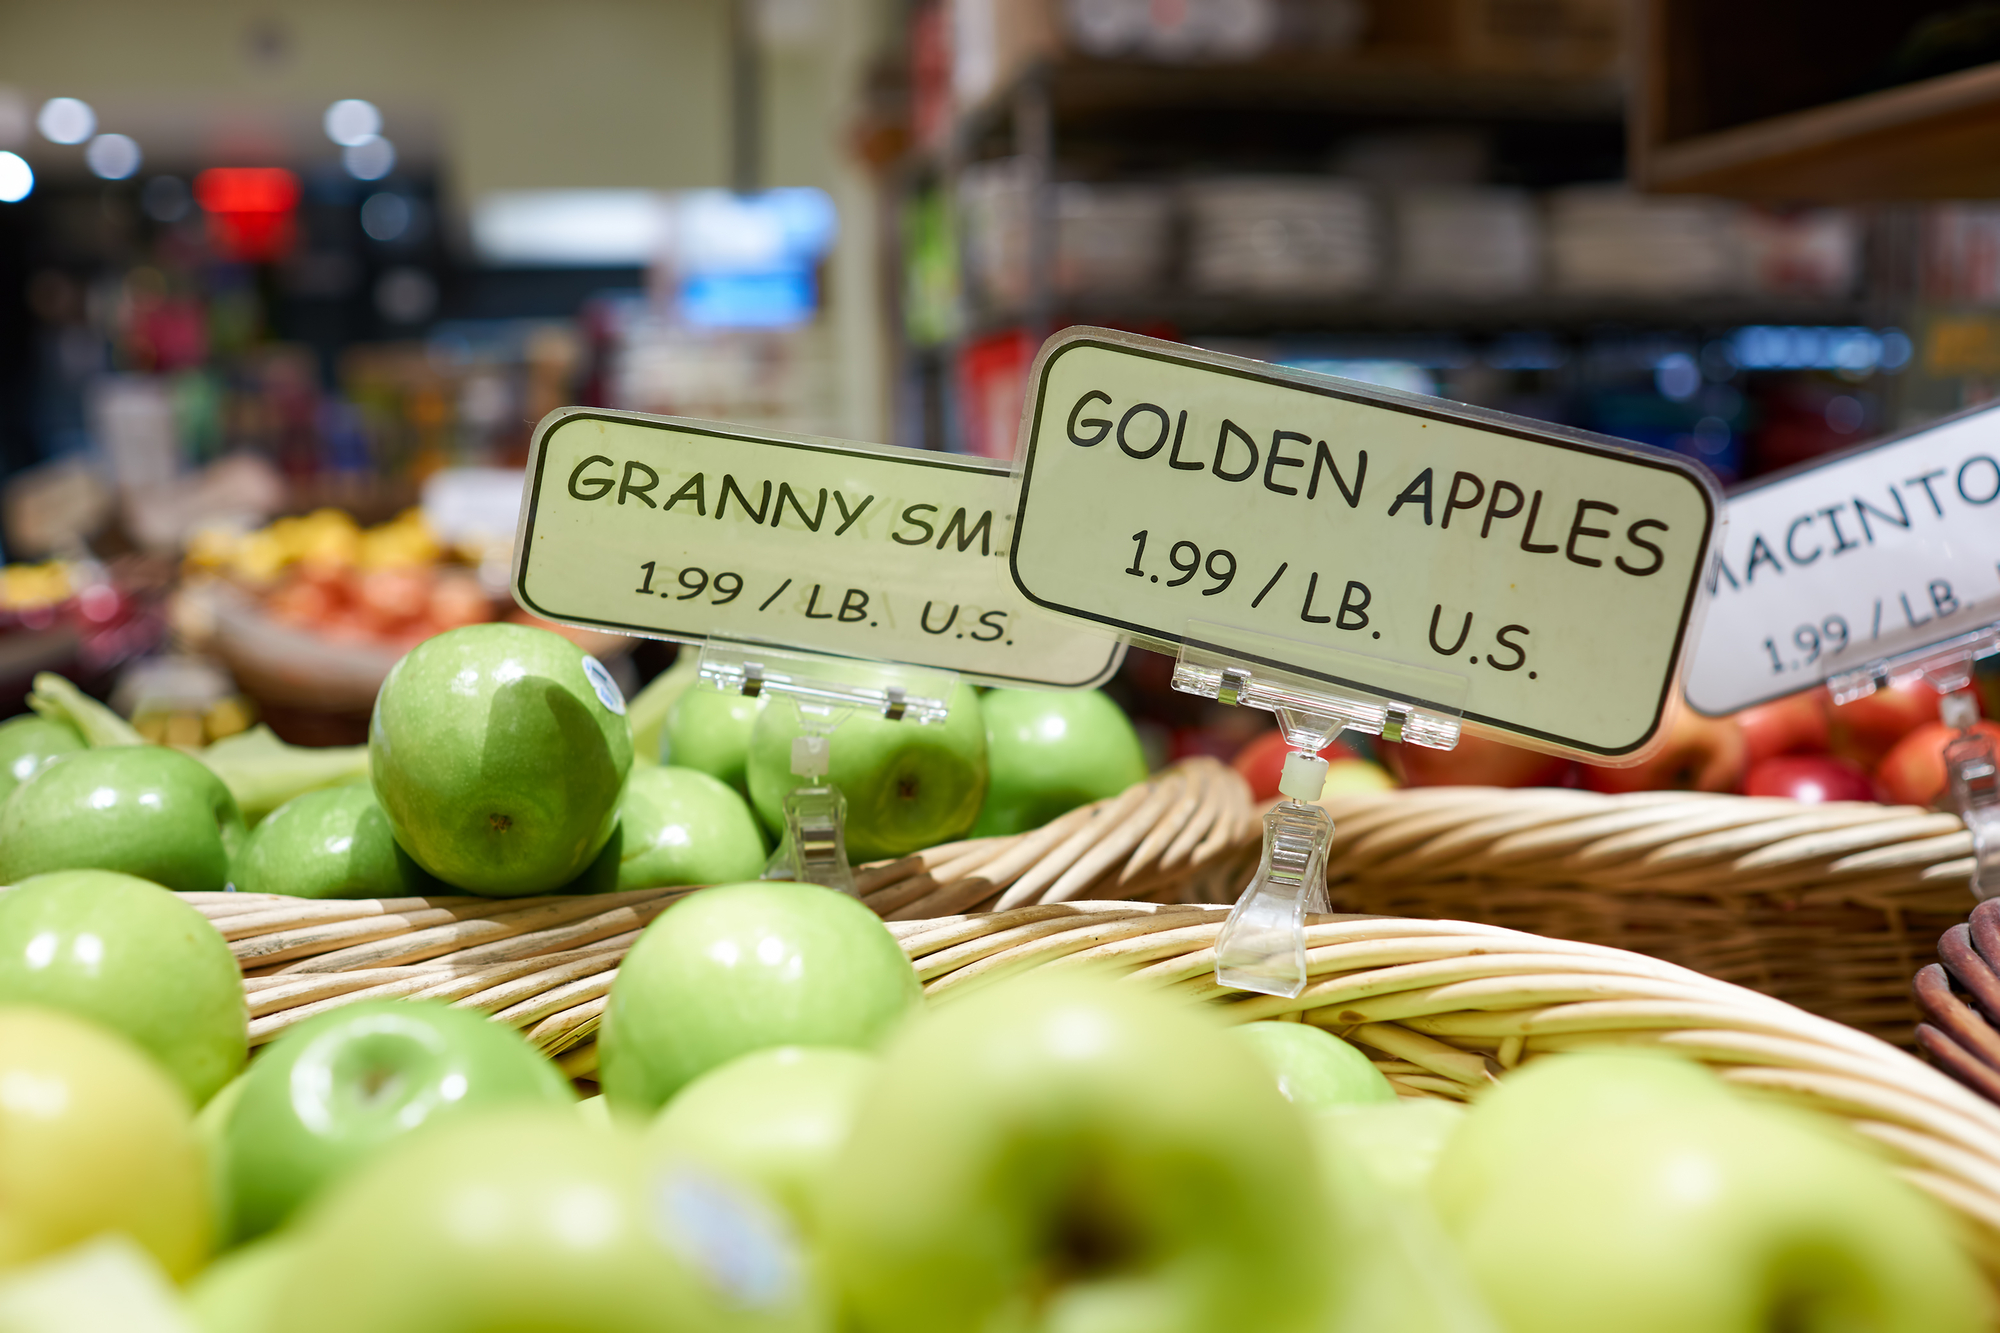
(691, 529)
(1553, 571)
(1860, 558)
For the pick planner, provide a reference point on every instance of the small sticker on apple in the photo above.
(607, 689)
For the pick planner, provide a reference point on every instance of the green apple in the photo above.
(1065, 1152)
(648, 711)
(524, 1221)
(498, 752)
(1051, 751)
(331, 1092)
(129, 955)
(676, 826)
(1398, 1142)
(907, 786)
(239, 1292)
(1706, 1213)
(1357, 775)
(743, 967)
(141, 809)
(331, 844)
(30, 741)
(775, 1118)
(1313, 1067)
(709, 730)
(94, 1138)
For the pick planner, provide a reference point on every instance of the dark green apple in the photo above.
(536, 1222)
(128, 954)
(709, 730)
(498, 752)
(743, 967)
(1067, 1152)
(333, 1091)
(1314, 1068)
(676, 826)
(1050, 751)
(30, 741)
(907, 786)
(144, 810)
(331, 844)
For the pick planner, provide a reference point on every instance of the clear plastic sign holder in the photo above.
(1262, 945)
(825, 691)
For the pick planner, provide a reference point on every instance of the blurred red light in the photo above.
(249, 210)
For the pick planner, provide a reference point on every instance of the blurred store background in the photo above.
(285, 286)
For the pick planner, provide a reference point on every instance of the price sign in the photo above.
(1867, 556)
(1554, 571)
(687, 529)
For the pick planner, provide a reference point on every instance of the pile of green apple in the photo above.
(790, 1140)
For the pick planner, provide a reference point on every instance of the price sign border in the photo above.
(1822, 463)
(532, 488)
(1693, 604)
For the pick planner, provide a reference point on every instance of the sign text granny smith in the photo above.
(687, 530)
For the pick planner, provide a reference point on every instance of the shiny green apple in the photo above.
(144, 810)
(129, 955)
(1066, 1152)
(647, 712)
(536, 1222)
(333, 1091)
(94, 1138)
(676, 826)
(498, 752)
(331, 844)
(30, 741)
(743, 967)
(239, 1292)
(708, 730)
(1050, 751)
(1314, 1068)
(907, 786)
(776, 1118)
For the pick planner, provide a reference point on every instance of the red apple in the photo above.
(1263, 760)
(1868, 728)
(1812, 778)
(1476, 762)
(1700, 754)
(1913, 773)
(1795, 724)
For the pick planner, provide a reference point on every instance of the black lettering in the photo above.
(1417, 492)
(1230, 428)
(924, 620)
(1966, 495)
(1306, 611)
(1925, 482)
(1716, 573)
(1451, 500)
(847, 519)
(1576, 530)
(1493, 509)
(1632, 535)
(1520, 653)
(910, 516)
(1943, 600)
(1528, 542)
(1323, 458)
(1174, 456)
(729, 488)
(1760, 554)
(1910, 615)
(1159, 444)
(854, 606)
(1278, 460)
(1102, 425)
(987, 622)
(1863, 509)
(1840, 542)
(1463, 630)
(1351, 608)
(1791, 538)
(785, 493)
(811, 602)
(690, 490)
(601, 485)
(983, 530)
(625, 486)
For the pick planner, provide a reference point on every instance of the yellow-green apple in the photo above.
(1699, 754)
(676, 826)
(30, 741)
(743, 967)
(1049, 751)
(239, 1292)
(709, 730)
(647, 712)
(520, 1220)
(1314, 1068)
(1063, 1152)
(141, 809)
(498, 752)
(330, 844)
(1398, 1142)
(131, 956)
(94, 1138)
(907, 785)
(336, 1089)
